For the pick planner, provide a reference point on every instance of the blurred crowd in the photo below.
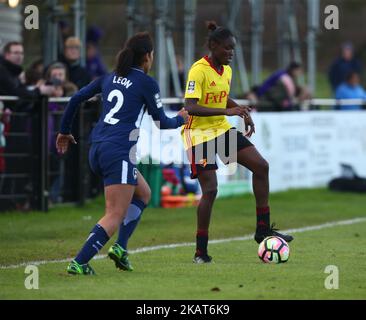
(61, 78)
(283, 91)
(345, 76)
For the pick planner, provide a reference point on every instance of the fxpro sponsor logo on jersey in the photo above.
(191, 86)
(212, 97)
(122, 81)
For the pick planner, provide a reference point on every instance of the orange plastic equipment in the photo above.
(179, 201)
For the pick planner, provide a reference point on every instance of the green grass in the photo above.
(170, 274)
(323, 88)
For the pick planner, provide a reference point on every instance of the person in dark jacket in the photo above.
(11, 85)
(94, 62)
(343, 66)
(71, 58)
(10, 71)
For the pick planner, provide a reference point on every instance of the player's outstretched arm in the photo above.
(164, 122)
(249, 124)
(194, 109)
(231, 104)
(65, 137)
(155, 108)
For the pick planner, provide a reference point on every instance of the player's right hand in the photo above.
(240, 111)
(184, 113)
(63, 141)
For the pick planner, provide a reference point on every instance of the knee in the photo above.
(112, 211)
(114, 215)
(210, 194)
(143, 193)
(145, 196)
(262, 168)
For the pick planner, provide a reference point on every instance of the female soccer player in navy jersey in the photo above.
(127, 93)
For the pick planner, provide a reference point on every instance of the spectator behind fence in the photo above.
(34, 74)
(94, 63)
(64, 31)
(343, 65)
(11, 85)
(4, 129)
(56, 75)
(71, 58)
(350, 89)
(280, 90)
(10, 71)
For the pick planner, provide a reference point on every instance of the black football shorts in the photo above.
(203, 156)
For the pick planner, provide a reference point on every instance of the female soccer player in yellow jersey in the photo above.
(208, 133)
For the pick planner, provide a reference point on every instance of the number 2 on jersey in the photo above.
(120, 99)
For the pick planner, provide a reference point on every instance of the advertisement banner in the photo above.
(304, 149)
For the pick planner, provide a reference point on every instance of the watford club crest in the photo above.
(203, 162)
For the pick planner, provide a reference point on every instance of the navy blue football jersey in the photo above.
(125, 100)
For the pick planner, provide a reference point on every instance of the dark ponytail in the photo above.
(124, 62)
(133, 53)
(217, 34)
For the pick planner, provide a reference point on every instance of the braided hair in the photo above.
(217, 34)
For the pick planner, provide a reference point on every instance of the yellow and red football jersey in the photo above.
(211, 87)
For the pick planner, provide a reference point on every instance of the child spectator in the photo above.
(350, 89)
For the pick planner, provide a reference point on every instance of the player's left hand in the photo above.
(249, 126)
(184, 113)
(63, 141)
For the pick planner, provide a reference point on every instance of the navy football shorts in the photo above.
(112, 163)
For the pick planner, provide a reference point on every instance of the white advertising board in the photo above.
(304, 149)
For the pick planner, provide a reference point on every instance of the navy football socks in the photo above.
(98, 237)
(131, 221)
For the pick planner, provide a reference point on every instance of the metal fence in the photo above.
(32, 174)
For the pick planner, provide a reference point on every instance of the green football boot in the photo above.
(120, 257)
(75, 269)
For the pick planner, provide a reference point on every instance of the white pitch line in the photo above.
(189, 244)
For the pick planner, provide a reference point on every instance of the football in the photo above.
(273, 250)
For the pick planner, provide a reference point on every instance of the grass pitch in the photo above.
(170, 274)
